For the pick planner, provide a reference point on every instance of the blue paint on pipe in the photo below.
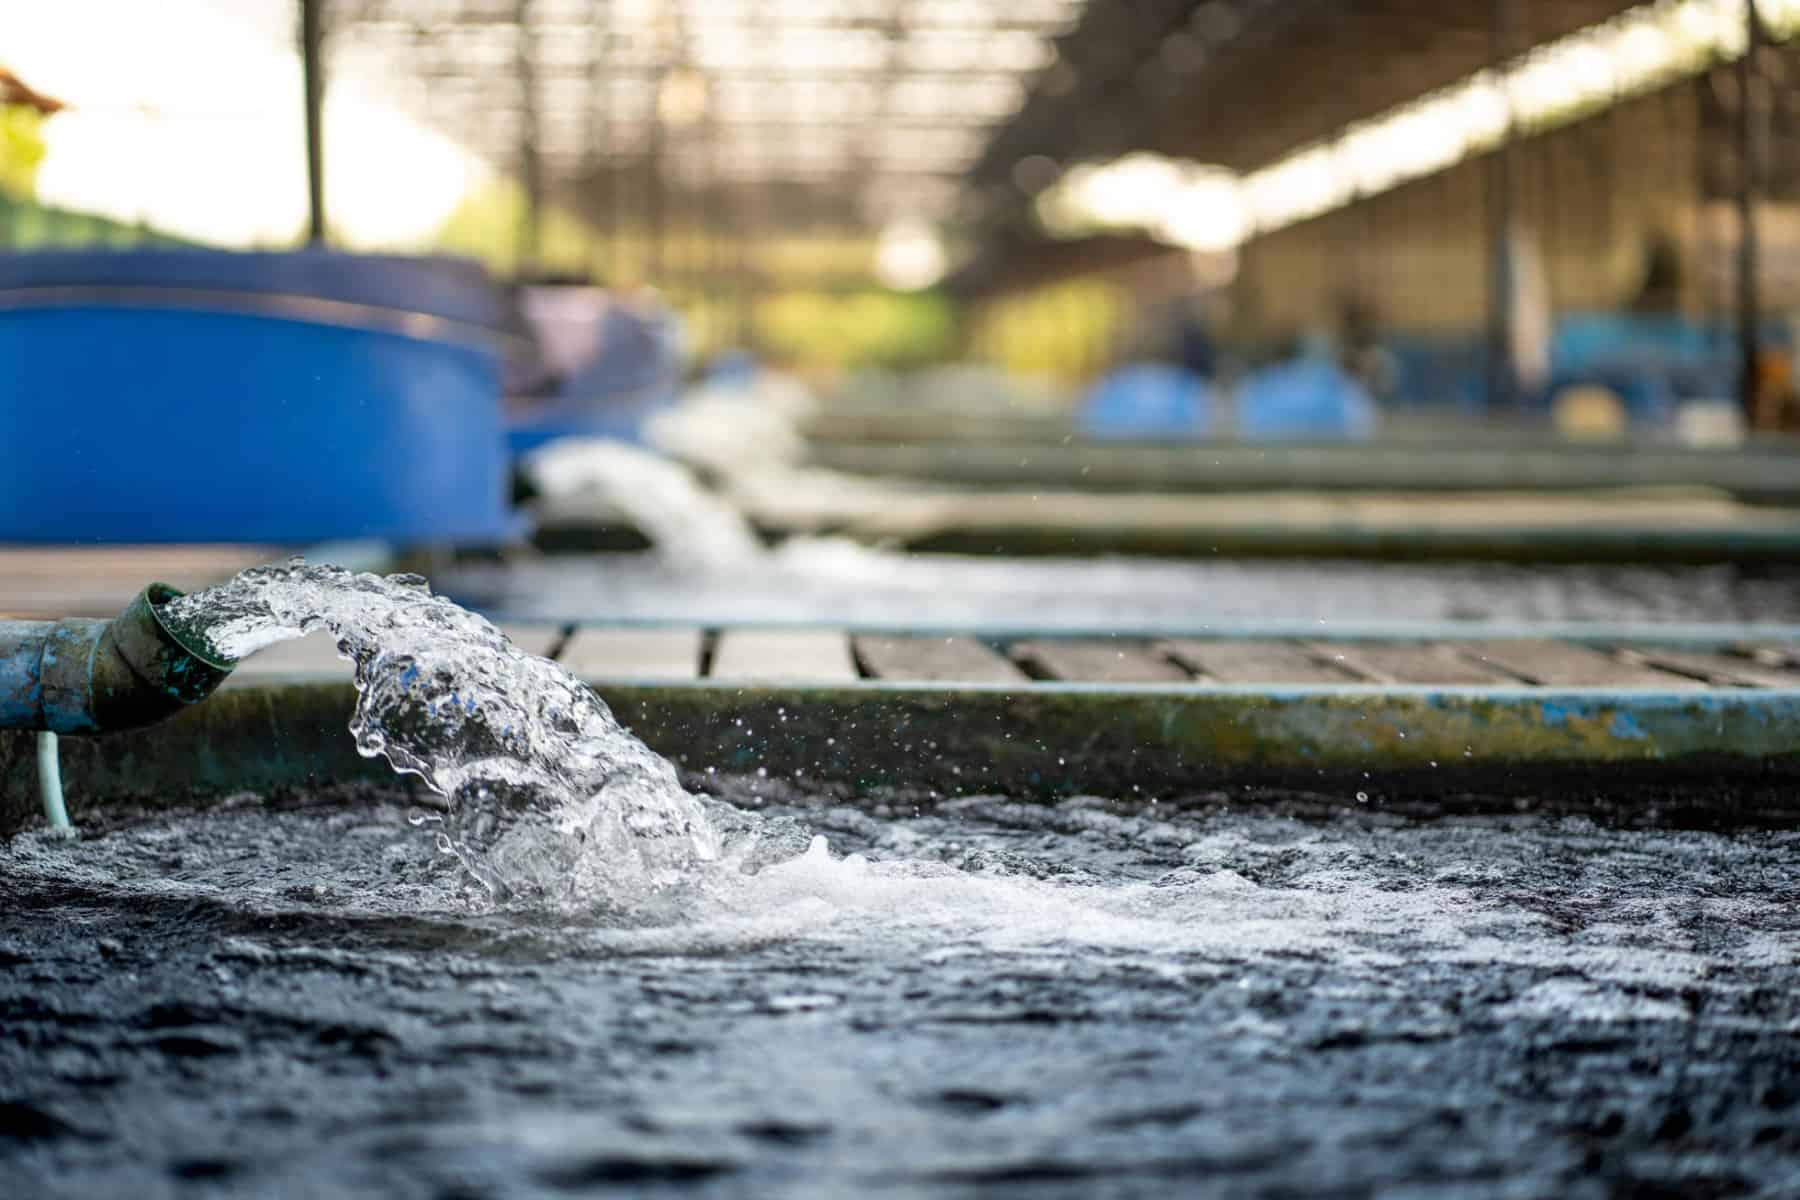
(1554, 716)
(82, 676)
(30, 652)
(21, 688)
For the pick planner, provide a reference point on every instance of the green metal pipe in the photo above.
(85, 676)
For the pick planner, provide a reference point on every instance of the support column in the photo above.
(599, 204)
(312, 73)
(531, 171)
(1502, 378)
(1749, 181)
(655, 199)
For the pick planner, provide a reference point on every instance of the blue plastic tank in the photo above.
(211, 396)
(1148, 401)
(1653, 361)
(1306, 399)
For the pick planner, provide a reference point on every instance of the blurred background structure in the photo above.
(1510, 226)
(1207, 417)
(1476, 202)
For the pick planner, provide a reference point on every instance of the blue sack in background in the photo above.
(1148, 401)
(1306, 399)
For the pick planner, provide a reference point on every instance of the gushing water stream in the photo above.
(553, 805)
(548, 794)
(655, 989)
(691, 528)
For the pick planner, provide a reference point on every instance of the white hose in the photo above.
(50, 781)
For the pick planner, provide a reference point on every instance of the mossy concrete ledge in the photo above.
(1030, 740)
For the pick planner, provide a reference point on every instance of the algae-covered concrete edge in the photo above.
(1029, 740)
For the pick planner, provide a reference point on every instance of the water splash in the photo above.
(690, 527)
(696, 533)
(549, 797)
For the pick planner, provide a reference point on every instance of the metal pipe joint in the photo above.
(80, 675)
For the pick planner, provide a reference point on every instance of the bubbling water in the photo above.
(549, 797)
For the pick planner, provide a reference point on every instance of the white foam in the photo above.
(1204, 919)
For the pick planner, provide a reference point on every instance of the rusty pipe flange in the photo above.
(85, 676)
(144, 671)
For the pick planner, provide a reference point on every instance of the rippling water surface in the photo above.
(300, 997)
(551, 968)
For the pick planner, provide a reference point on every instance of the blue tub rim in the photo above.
(313, 310)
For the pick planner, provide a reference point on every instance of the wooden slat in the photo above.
(611, 652)
(940, 659)
(1406, 662)
(1772, 654)
(1729, 670)
(1561, 664)
(533, 639)
(99, 581)
(1237, 661)
(783, 655)
(1105, 661)
(314, 656)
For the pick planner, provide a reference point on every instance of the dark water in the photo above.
(302, 999)
(835, 582)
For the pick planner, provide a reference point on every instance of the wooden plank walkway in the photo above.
(1723, 670)
(1151, 714)
(1254, 661)
(1401, 662)
(1771, 654)
(834, 657)
(1557, 664)
(535, 638)
(1130, 716)
(315, 655)
(933, 659)
(1097, 661)
(99, 581)
(783, 656)
(618, 653)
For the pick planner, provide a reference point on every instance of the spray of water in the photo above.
(548, 796)
(691, 528)
(554, 806)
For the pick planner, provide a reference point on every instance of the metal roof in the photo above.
(861, 111)
(892, 100)
(1239, 83)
